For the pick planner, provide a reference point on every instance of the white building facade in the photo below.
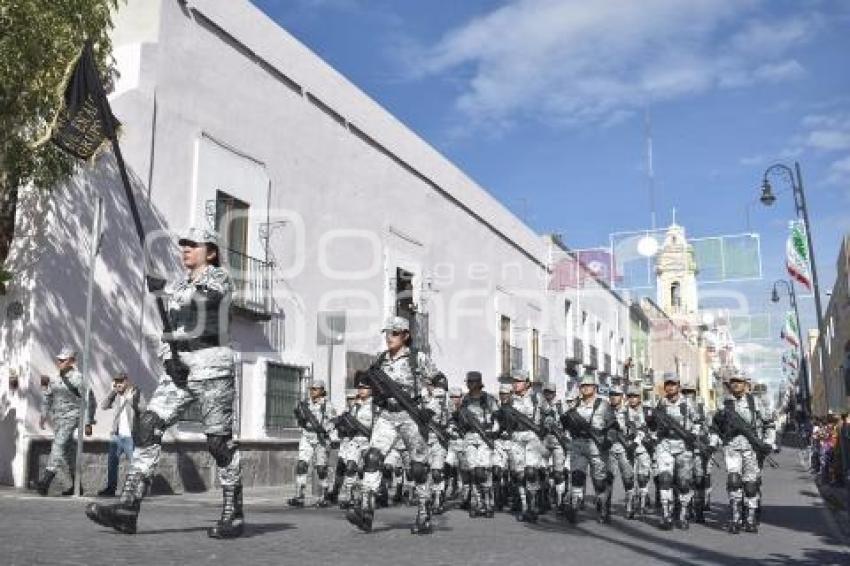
(335, 216)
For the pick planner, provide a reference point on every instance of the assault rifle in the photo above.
(559, 436)
(384, 388)
(468, 420)
(580, 426)
(308, 420)
(691, 440)
(519, 421)
(739, 425)
(352, 427)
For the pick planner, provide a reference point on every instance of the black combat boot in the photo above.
(232, 521)
(630, 505)
(361, 514)
(43, 485)
(734, 525)
(70, 490)
(699, 510)
(324, 499)
(684, 517)
(751, 524)
(123, 515)
(298, 500)
(422, 525)
(667, 515)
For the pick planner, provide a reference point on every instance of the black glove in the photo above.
(176, 370)
(155, 284)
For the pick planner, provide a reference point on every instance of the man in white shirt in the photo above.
(126, 400)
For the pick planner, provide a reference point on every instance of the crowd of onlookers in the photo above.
(831, 448)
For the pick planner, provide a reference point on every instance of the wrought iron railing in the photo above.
(252, 284)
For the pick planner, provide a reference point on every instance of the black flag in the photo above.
(81, 128)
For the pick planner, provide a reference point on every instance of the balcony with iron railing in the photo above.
(252, 285)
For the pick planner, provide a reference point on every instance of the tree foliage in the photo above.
(39, 40)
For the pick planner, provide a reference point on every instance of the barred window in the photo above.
(283, 386)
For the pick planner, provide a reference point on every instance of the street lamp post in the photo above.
(768, 198)
(803, 377)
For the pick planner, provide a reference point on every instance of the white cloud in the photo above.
(572, 61)
(839, 172)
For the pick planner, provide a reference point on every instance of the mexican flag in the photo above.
(790, 332)
(797, 254)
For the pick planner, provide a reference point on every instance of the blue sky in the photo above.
(543, 102)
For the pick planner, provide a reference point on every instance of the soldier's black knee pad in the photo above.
(351, 468)
(734, 481)
(600, 485)
(436, 476)
(751, 488)
(480, 475)
(149, 430)
(642, 480)
(419, 472)
(322, 472)
(628, 484)
(531, 475)
(221, 449)
(301, 468)
(665, 480)
(684, 485)
(578, 478)
(373, 460)
(558, 476)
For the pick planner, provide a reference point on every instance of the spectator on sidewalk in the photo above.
(127, 401)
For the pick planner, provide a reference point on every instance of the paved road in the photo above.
(797, 529)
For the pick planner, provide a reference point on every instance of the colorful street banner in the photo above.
(790, 332)
(797, 254)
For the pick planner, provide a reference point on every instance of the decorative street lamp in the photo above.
(803, 377)
(767, 198)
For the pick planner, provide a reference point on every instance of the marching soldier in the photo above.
(554, 450)
(344, 449)
(61, 405)
(198, 367)
(528, 450)
(622, 453)
(748, 433)
(477, 419)
(408, 369)
(589, 423)
(357, 442)
(435, 400)
(673, 454)
(702, 460)
(636, 423)
(455, 452)
(502, 452)
(316, 418)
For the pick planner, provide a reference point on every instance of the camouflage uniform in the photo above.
(478, 457)
(352, 452)
(743, 464)
(555, 454)
(636, 423)
(585, 452)
(620, 460)
(437, 403)
(675, 460)
(456, 451)
(502, 454)
(61, 403)
(528, 452)
(312, 448)
(393, 423)
(702, 464)
(198, 311)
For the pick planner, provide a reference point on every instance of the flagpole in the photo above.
(84, 398)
